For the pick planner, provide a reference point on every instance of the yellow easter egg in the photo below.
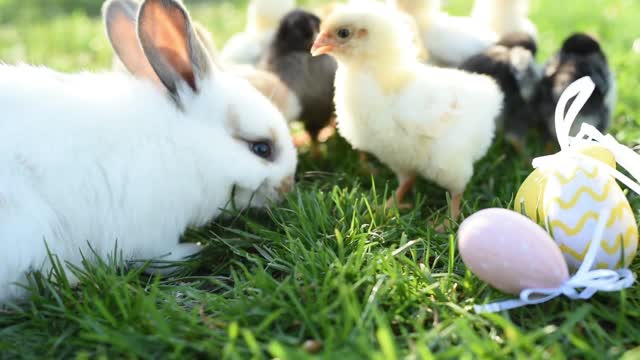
(576, 194)
(597, 152)
(528, 200)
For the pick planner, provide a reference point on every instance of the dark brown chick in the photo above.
(310, 78)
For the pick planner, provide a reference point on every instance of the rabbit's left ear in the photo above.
(120, 22)
(171, 45)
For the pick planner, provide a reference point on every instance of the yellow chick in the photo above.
(416, 118)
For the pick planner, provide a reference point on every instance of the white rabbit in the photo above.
(105, 158)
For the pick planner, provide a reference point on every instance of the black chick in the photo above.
(580, 56)
(511, 63)
(310, 78)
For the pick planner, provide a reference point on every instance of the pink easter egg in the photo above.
(511, 252)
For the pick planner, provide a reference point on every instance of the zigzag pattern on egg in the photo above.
(584, 190)
(590, 175)
(572, 231)
(624, 242)
(617, 213)
(574, 194)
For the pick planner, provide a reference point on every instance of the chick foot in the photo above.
(401, 192)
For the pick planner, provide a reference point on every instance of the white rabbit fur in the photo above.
(106, 158)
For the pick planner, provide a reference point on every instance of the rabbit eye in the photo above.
(263, 149)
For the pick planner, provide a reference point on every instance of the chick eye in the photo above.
(263, 149)
(344, 33)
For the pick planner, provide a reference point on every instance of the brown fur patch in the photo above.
(272, 89)
(268, 85)
(233, 119)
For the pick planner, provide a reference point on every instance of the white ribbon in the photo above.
(583, 285)
(585, 282)
(628, 159)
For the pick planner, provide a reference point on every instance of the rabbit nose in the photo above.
(286, 185)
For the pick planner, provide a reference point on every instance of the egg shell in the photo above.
(530, 197)
(597, 152)
(528, 200)
(510, 252)
(577, 192)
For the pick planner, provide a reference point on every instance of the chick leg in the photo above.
(365, 166)
(301, 139)
(454, 208)
(328, 131)
(549, 147)
(406, 184)
(456, 200)
(314, 149)
(314, 142)
(304, 139)
(517, 143)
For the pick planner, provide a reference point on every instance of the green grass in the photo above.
(330, 265)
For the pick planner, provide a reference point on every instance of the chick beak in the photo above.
(324, 44)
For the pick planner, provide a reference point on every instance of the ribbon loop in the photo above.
(581, 89)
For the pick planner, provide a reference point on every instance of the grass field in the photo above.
(328, 273)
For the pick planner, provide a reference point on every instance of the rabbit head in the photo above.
(250, 140)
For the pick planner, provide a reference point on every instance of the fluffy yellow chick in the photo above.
(417, 119)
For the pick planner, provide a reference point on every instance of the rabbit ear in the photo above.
(171, 45)
(120, 20)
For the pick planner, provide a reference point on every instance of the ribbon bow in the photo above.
(585, 282)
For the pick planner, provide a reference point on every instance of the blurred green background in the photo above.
(67, 35)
